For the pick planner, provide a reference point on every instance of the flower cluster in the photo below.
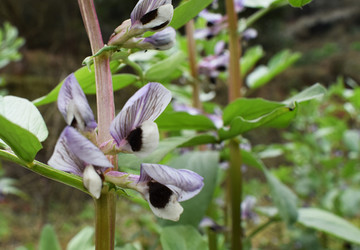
(148, 15)
(133, 131)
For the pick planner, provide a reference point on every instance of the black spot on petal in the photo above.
(148, 17)
(135, 139)
(221, 68)
(159, 194)
(160, 26)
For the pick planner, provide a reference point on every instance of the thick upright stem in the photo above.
(192, 61)
(105, 205)
(235, 81)
(235, 190)
(235, 175)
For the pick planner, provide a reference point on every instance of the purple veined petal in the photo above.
(151, 14)
(84, 149)
(146, 104)
(219, 47)
(64, 159)
(185, 183)
(161, 40)
(211, 17)
(239, 5)
(145, 6)
(74, 106)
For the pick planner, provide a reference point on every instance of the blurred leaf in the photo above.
(83, 240)
(163, 69)
(22, 127)
(23, 113)
(246, 114)
(329, 223)
(165, 146)
(85, 78)
(48, 239)
(240, 125)
(181, 238)
(119, 81)
(7, 187)
(350, 202)
(183, 120)
(130, 246)
(250, 58)
(277, 64)
(200, 139)
(298, 3)
(249, 109)
(313, 92)
(260, 3)
(187, 10)
(284, 199)
(205, 163)
(352, 140)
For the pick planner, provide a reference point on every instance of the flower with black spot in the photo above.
(163, 187)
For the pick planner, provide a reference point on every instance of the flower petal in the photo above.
(64, 159)
(161, 40)
(74, 106)
(92, 181)
(146, 104)
(85, 150)
(185, 183)
(144, 7)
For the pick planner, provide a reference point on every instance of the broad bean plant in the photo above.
(172, 143)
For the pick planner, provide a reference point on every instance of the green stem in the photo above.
(212, 239)
(46, 171)
(235, 192)
(262, 12)
(262, 227)
(192, 62)
(235, 81)
(137, 69)
(106, 205)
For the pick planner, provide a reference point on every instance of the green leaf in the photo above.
(313, 92)
(22, 127)
(48, 239)
(182, 237)
(279, 117)
(284, 199)
(119, 81)
(83, 240)
(249, 109)
(23, 113)
(85, 78)
(163, 69)
(263, 74)
(165, 146)
(329, 223)
(183, 120)
(260, 3)
(250, 58)
(205, 163)
(298, 3)
(186, 11)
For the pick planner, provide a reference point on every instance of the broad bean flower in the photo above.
(148, 15)
(163, 187)
(133, 131)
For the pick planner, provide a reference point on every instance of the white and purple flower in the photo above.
(75, 154)
(148, 15)
(133, 129)
(74, 106)
(163, 187)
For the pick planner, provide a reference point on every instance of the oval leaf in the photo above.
(187, 11)
(48, 239)
(329, 223)
(181, 237)
(23, 113)
(164, 68)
